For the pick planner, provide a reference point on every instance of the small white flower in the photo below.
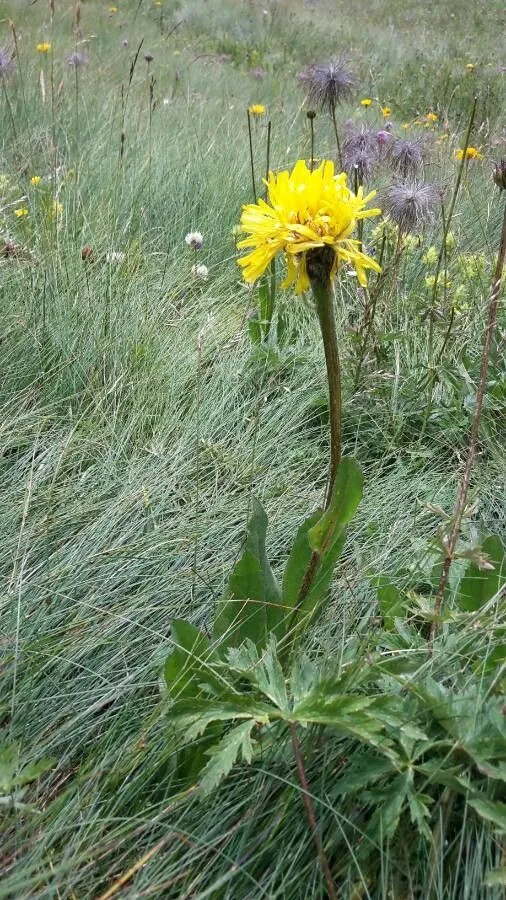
(115, 256)
(194, 239)
(201, 272)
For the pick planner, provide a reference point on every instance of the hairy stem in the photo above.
(322, 292)
(311, 815)
(473, 437)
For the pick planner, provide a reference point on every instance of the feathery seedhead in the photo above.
(411, 204)
(149, 58)
(77, 60)
(328, 84)
(201, 272)
(406, 156)
(6, 63)
(500, 174)
(360, 152)
(194, 240)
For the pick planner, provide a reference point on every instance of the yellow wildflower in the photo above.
(35, 180)
(306, 210)
(20, 212)
(432, 117)
(366, 101)
(113, 9)
(257, 109)
(386, 111)
(470, 67)
(471, 153)
(43, 47)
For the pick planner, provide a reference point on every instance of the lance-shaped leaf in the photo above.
(317, 546)
(252, 606)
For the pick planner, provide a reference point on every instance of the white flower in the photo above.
(115, 256)
(201, 272)
(194, 239)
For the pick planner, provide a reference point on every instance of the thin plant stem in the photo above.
(460, 505)
(311, 815)
(272, 279)
(451, 208)
(9, 109)
(197, 465)
(336, 132)
(251, 160)
(311, 132)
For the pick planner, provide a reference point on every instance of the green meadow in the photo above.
(148, 402)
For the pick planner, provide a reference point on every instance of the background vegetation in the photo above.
(127, 382)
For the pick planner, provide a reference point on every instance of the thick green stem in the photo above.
(319, 264)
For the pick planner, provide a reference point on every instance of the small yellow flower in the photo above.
(471, 153)
(405, 124)
(43, 47)
(470, 67)
(20, 212)
(366, 101)
(257, 109)
(113, 9)
(305, 210)
(432, 117)
(35, 180)
(386, 111)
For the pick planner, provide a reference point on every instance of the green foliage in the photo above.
(15, 777)
(484, 579)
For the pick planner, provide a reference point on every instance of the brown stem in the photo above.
(311, 815)
(473, 437)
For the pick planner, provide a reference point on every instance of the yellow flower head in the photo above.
(470, 67)
(305, 210)
(43, 47)
(257, 109)
(366, 101)
(21, 212)
(35, 180)
(471, 153)
(113, 9)
(431, 117)
(386, 111)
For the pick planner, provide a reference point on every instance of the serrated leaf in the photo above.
(479, 585)
(252, 607)
(224, 755)
(366, 768)
(270, 678)
(319, 542)
(491, 810)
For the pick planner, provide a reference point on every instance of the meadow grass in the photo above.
(110, 415)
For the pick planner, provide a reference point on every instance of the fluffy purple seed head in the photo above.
(77, 60)
(406, 156)
(360, 153)
(328, 84)
(411, 204)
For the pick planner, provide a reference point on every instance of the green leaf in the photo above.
(224, 755)
(319, 542)
(492, 811)
(393, 605)
(9, 757)
(189, 667)
(252, 607)
(364, 769)
(478, 586)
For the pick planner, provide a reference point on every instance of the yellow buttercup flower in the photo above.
(20, 212)
(386, 110)
(470, 67)
(471, 153)
(35, 180)
(366, 101)
(305, 210)
(43, 47)
(257, 109)
(432, 117)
